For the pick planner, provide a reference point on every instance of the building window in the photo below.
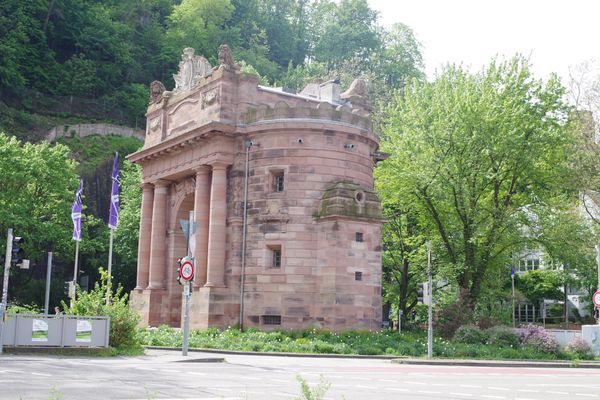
(275, 256)
(358, 236)
(529, 264)
(358, 276)
(271, 319)
(278, 181)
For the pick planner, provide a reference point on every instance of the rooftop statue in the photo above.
(191, 69)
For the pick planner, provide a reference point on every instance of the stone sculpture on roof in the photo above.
(191, 69)
(156, 92)
(226, 58)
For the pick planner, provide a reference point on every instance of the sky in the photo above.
(554, 34)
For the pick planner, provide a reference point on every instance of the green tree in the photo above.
(473, 151)
(538, 285)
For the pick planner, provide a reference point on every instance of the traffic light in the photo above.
(69, 289)
(18, 254)
(423, 295)
(179, 262)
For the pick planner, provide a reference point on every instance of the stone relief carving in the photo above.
(226, 58)
(210, 97)
(191, 69)
(155, 124)
(156, 92)
(181, 189)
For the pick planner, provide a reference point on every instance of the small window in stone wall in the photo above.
(358, 276)
(275, 256)
(278, 181)
(358, 236)
(271, 319)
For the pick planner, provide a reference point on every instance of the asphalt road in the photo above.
(164, 375)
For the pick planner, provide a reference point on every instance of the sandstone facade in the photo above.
(312, 252)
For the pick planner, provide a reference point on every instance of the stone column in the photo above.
(217, 226)
(158, 239)
(143, 267)
(201, 216)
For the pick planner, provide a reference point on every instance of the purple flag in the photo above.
(113, 219)
(513, 271)
(76, 212)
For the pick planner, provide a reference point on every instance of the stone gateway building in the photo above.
(306, 253)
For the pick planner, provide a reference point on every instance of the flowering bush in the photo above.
(502, 336)
(580, 348)
(470, 334)
(538, 338)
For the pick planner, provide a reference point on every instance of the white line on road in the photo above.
(196, 373)
(528, 391)
(487, 396)
(471, 386)
(366, 387)
(462, 394)
(414, 383)
(387, 380)
(428, 392)
(586, 395)
(40, 374)
(397, 389)
(554, 392)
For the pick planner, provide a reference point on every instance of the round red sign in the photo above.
(187, 271)
(596, 298)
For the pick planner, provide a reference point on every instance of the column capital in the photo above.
(217, 165)
(201, 169)
(147, 186)
(159, 183)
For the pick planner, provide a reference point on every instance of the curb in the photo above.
(276, 354)
(499, 363)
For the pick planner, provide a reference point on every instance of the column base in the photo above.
(211, 307)
(150, 304)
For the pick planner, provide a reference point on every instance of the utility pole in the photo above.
(48, 280)
(7, 258)
(430, 307)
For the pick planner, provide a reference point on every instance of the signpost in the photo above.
(186, 277)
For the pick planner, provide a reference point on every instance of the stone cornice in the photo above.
(180, 142)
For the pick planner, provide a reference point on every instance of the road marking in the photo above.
(387, 380)
(414, 383)
(462, 394)
(487, 396)
(586, 395)
(497, 388)
(428, 392)
(471, 386)
(40, 374)
(397, 389)
(196, 373)
(528, 390)
(554, 392)
(366, 387)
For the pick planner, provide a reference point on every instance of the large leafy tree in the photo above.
(473, 152)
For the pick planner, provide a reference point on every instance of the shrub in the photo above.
(502, 336)
(470, 334)
(580, 349)
(123, 319)
(538, 338)
(451, 317)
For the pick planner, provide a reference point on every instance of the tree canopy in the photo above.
(475, 152)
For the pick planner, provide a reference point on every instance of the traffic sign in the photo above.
(187, 270)
(596, 298)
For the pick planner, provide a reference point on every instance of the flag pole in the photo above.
(110, 249)
(76, 211)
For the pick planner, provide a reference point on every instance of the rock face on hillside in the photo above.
(312, 252)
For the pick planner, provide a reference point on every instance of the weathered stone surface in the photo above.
(310, 190)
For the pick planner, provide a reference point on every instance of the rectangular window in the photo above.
(529, 264)
(275, 256)
(358, 237)
(278, 182)
(358, 276)
(271, 319)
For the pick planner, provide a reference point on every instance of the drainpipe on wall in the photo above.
(247, 144)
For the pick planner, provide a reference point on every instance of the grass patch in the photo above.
(411, 344)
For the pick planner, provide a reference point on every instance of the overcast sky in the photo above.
(555, 34)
